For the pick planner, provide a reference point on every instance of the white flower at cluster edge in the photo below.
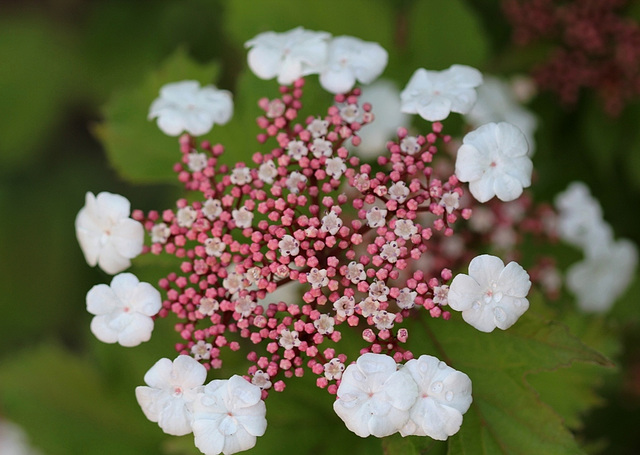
(492, 295)
(493, 159)
(444, 394)
(123, 310)
(374, 397)
(349, 60)
(228, 416)
(287, 55)
(107, 236)
(171, 389)
(185, 106)
(435, 94)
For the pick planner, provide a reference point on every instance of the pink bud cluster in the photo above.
(359, 245)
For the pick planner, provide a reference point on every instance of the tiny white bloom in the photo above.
(492, 295)
(376, 217)
(214, 246)
(197, 161)
(240, 176)
(599, 280)
(450, 201)
(186, 216)
(123, 310)
(201, 350)
(344, 306)
(405, 229)
(399, 191)
(350, 113)
(444, 394)
(493, 159)
(228, 416)
(243, 217)
(233, 282)
(261, 379)
(355, 272)
(287, 55)
(267, 171)
(289, 339)
(434, 94)
(441, 295)
(321, 147)
(390, 252)
(245, 306)
(295, 178)
(297, 149)
(379, 291)
(172, 389)
(335, 167)
(324, 325)
(368, 306)
(333, 369)
(373, 397)
(212, 208)
(107, 236)
(383, 319)
(318, 128)
(160, 233)
(349, 60)
(208, 306)
(289, 246)
(317, 278)
(331, 223)
(185, 106)
(406, 299)
(410, 145)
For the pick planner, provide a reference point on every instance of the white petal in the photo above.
(485, 268)
(337, 81)
(138, 330)
(463, 292)
(159, 375)
(101, 328)
(514, 280)
(189, 372)
(101, 300)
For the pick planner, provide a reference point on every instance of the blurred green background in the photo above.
(76, 78)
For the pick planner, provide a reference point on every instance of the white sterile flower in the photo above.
(373, 397)
(335, 167)
(344, 306)
(261, 379)
(384, 97)
(185, 106)
(444, 394)
(333, 369)
(123, 310)
(240, 176)
(186, 216)
(267, 171)
(318, 127)
(434, 94)
(368, 306)
(107, 236)
(228, 416)
(243, 217)
(599, 280)
(295, 178)
(214, 246)
(172, 389)
(289, 339)
(492, 295)
(197, 161)
(331, 223)
(289, 246)
(399, 191)
(14, 441)
(297, 150)
(410, 145)
(212, 208)
(355, 272)
(376, 217)
(317, 278)
(450, 201)
(390, 252)
(406, 299)
(160, 233)
(405, 229)
(349, 60)
(324, 325)
(379, 291)
(321, 147)
(497, 103)
(383, 319)
(493, 159)
(287, 55)
(201, 350)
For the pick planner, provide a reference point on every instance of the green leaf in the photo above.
(65, 405)
(507, 415)
(136, 147)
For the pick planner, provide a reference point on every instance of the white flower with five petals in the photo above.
(107, 236)
(492, 295)
(171, 389)
(493, 159)
(434, 94)
(228, 416)
(123, 310)
(185, 106)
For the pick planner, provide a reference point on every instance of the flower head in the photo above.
(123, 310)
(287, 55)
(171, 390)
(349, 60)
(434, 94)
(107, 236)
(493, 159)
(185, 106)
(228, 416)
(492, 295)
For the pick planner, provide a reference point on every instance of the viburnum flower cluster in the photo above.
(282, 256)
